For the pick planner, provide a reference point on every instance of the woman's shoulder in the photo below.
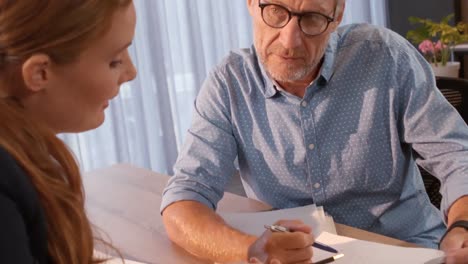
(17, 187)
(7, 162)
(16, 184)
(24, 224)
(11, 172)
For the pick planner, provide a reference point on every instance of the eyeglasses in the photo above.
(311, 23)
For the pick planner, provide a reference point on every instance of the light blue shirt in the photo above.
(350, 145)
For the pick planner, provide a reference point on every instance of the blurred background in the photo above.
(176, 43)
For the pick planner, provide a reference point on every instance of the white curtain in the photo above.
(366, 11)
(176, 43)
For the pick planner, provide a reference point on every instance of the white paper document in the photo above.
(113, 260)
(323, 228)
(253, 223)
(364, 252)
(119, 261)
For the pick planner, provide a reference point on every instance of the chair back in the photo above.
(455, 91)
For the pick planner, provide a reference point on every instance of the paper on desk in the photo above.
(253, 223)
(119, 261)
(364, 252)
(113, 260)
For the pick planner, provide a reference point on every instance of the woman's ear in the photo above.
(36, 71)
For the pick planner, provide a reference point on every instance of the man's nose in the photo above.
(291, 34)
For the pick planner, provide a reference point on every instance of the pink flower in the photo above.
(439, 46)
(426, 46)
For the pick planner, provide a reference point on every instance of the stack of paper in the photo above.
(112, 260)
(323, 228)
(253, 223)
(120, 261)
(365, 252)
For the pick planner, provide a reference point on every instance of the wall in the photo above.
(400, 10)
(464, 10)
(464, 17)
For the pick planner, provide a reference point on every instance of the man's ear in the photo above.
(340, 17)
(36, 72)
(250, 4)
(337, 21)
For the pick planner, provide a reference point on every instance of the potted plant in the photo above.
(436, 42)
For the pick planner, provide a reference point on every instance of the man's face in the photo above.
(287, 53)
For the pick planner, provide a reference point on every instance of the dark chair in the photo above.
(432, 185)
(455, 91)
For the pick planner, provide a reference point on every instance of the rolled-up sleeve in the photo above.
(206, 161)
(435, 130)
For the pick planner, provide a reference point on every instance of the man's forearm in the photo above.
(458, 210)
(203, 233)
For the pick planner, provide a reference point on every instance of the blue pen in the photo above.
(278, 228)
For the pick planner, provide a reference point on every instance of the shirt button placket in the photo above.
(317, 187)
(312, 183)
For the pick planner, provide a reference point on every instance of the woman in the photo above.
(61, 61)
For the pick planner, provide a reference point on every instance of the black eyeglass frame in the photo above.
(299, 16)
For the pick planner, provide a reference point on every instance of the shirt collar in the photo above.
(269, 87)
(329, 58)
(326, 72)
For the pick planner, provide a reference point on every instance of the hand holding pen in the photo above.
(316, 244)
(283, 247)
(278, 228)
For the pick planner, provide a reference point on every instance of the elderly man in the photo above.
(319, 114)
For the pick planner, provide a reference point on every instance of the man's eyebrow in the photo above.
(319, 9)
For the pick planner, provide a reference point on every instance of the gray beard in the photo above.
(292, 75)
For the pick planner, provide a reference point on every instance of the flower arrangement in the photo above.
(436, 40)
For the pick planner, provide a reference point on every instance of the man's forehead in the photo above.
(305, 5)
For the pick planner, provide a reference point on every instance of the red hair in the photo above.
(62, 29)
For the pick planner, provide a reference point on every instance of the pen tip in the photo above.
(338, 256)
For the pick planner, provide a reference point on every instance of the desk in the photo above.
(123, 201)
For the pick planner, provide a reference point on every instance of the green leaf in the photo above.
(426, 29)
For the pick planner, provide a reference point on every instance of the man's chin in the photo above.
(289, 75)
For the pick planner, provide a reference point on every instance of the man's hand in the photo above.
(455, 246)
(455, 243)
(277, 247)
